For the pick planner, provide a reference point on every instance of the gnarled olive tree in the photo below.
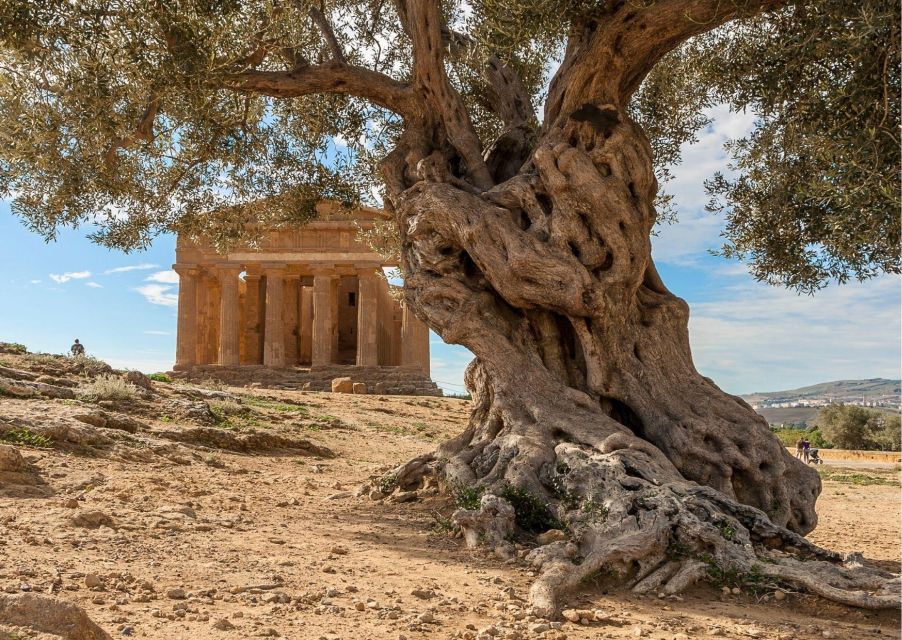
(525, 239)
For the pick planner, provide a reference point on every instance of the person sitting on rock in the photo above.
(77, 349)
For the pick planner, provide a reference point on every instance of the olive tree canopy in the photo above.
(146, 117)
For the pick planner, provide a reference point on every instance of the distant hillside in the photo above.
(801, 406)
(870, 388)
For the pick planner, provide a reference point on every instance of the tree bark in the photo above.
(587, 405)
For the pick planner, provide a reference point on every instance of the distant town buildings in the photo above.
(884, 402)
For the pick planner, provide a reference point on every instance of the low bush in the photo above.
(92, 367)
(468, 496)
(108, 387)
(532, 514)
(160, 377)
(26, 437)
(14, 348)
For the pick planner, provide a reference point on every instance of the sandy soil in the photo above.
(207, 543)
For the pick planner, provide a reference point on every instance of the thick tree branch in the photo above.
(325, 28)
(665, 25)
(509, 98)
(607, 58)
(424, 22)
(144, 131)
(331, 78)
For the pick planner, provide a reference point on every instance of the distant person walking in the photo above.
(806, 450)
(800, 447)
(77, 349)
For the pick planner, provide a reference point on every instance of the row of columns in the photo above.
(318, 310)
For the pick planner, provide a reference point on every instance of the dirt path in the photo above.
(210, 544)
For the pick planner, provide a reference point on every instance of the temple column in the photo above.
(273, 337)
(186, 338)
(414, 341)
(323, 318)
(229, 338)
(306, 324)
(253, 313)
(367, 319)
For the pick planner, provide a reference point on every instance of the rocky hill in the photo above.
(838, 391)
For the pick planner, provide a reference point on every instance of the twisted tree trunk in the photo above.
(588, 412)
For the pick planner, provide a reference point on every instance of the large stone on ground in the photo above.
(92, 519)
(139, 380)
(11, 460)
(342, 385)
(46, 614)
(359, 387)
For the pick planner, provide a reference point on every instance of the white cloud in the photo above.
(761, 338)
(144, 266)
(159, 294)
(60, 278)
(94, 285)
(157, 333)
(164, 277)
(35, 282)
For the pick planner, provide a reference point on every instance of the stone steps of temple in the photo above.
(392, 380)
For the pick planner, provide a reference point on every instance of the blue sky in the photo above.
(745, 335)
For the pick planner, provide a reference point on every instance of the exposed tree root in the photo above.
(626, 510)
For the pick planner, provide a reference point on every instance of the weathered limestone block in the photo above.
(10, 459)
(359, 387)
(139, 379)
(342, 385)
(379, 388)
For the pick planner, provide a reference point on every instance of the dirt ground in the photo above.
(196, 541)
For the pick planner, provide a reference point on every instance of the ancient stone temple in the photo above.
(303, 306)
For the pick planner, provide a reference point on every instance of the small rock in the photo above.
(540, 627)
(359, 387)
(222, 624)
(735, 591)
(92, 519)
(92, 581)
(339, 551)
(176, 594)
(360, 606)
(552, 535)
(571, 615)
(405, 496)
(779, 595)
(138, 379)
(426, 617)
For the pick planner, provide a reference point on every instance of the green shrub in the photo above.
(26, 437)
(854, 427)
(467, 497)
(532, 514)
(160, 377)
(108, 387)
